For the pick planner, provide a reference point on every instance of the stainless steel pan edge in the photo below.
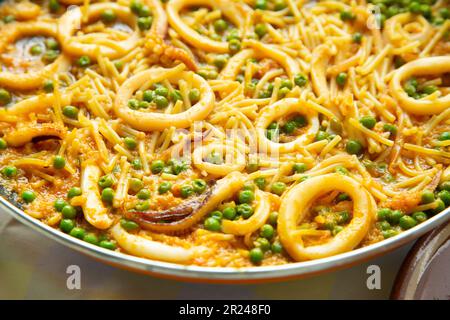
(253, 274)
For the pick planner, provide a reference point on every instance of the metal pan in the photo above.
(230, 275)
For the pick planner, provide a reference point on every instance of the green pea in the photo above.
(234, 45)
(69, 212)
(341, 79)
(28, 196)
(444, 195)
(279, 5)
(343, 217)
(144, 23)
(419, 216)
(342, 197)
(286, 83)
(84, 61)
(54, 5)
(212, 224)
(48, 86)
(70, 112)
(162, 91)
(430, 89)
(283, 92)
(133, 104)
(289, 127)
(220, 61)
(276, 247)
(51, 44)
(444, 136)
(245, 210)
(336, 230)
(66, 225)
(263, 244)
(161, 102)
(108, 195)
(78, 233)
(229, 213)
(216, 214)
(256, 255)
(300, 80)
(299, 167)
(186, 191)
(445, 13)
(427, 196)
(368, 121)
(36, 50)
(445, 185)
(389, 233)
(73, 192)
(49, 56)
(144, 194)
(261, 4)
(59, 162)
(260, 182)
(157, 166)
(260, 29)
(199, 185)
(272, 134)
(59, 204)
(136, 6)
(425, 10)
(267, 231)
(220, 25)
(164, 187)
(136, 184)
(384, 214)
(347, 15)
(130, 143)
(175, 95)
(145, 11)
(143, 105)
(414, 7)
(395, 216)
(278, 188)
(5, 97)
(194, 95)
(108, 16)
(273, 218)
(128, 225)
(91, 238)
(178, 166)
(407, 222)
(143, 206)
(3, 144)
(106, 244)
(246, 196)
(321, 135)
(390, 128)
(384, 225)
(9, 171)
(353, 147)
(9, 19)
(440, 205)
(106, 181)
(148, 95)
(357, 37)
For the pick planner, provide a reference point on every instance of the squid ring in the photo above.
(294, 206)
(256, 221)
(424, 66)
(93, 209)
(142, 247)
(228, 9)
(259, 49)
(396, 36)
(29, 80)
(281, 108)
(237, 164)
(148, 121)
(72, 19)
(26, 133)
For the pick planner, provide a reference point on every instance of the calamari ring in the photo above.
(293, 209)
(423, 66)
(228, 9)
(221, 191)
(238, 163)
(259, 50)
(35, 104)
(21, 11)
(281, 108)
(148, 121)
(396, 35)
(143, 247)
(29, 80)
(93, 209)
(26, 133)
(256, 221)
(72, 19)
